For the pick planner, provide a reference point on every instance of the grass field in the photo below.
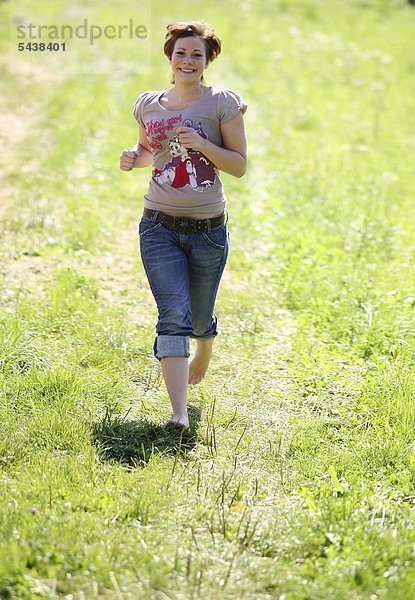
(297, 479)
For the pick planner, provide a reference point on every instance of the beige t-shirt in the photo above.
(184, 182)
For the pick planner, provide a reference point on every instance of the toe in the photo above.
(177, 425)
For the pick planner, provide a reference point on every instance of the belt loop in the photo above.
(209, 225)
(155, 215)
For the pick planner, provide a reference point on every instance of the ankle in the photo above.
(180, 416)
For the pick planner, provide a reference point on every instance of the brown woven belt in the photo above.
(184, 224)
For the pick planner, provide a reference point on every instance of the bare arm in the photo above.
(232, 156)
(139, 156)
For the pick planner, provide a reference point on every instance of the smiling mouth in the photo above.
(187, 70)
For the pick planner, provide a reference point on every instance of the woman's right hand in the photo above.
(127, 159)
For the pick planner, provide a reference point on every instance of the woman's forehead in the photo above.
(190, 43)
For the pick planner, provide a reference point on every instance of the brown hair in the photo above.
(181, 29)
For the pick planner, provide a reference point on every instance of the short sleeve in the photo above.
(230, 103)
(138, 110)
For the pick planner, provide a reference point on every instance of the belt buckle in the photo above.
(186, 224)
(192, 225)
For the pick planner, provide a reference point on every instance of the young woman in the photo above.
(189, 133)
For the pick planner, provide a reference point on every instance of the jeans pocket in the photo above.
(217, 237)
(147, 226)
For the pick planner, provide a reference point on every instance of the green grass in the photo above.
(296, 480)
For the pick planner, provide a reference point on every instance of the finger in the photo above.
(126, 165)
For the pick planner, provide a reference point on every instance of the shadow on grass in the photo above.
(133, 442)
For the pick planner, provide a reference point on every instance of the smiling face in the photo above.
(188, 60)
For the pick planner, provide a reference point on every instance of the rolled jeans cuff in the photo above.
(171, 345)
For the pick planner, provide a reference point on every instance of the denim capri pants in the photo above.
(184, 271)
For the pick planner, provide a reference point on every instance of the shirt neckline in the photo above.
(159, 95)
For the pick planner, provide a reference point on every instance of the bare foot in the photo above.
(180, 424)
(200, 363)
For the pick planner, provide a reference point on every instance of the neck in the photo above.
(188, 92)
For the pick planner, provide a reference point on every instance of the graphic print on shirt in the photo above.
(188, 167)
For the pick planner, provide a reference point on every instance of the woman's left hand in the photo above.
(189, 138)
